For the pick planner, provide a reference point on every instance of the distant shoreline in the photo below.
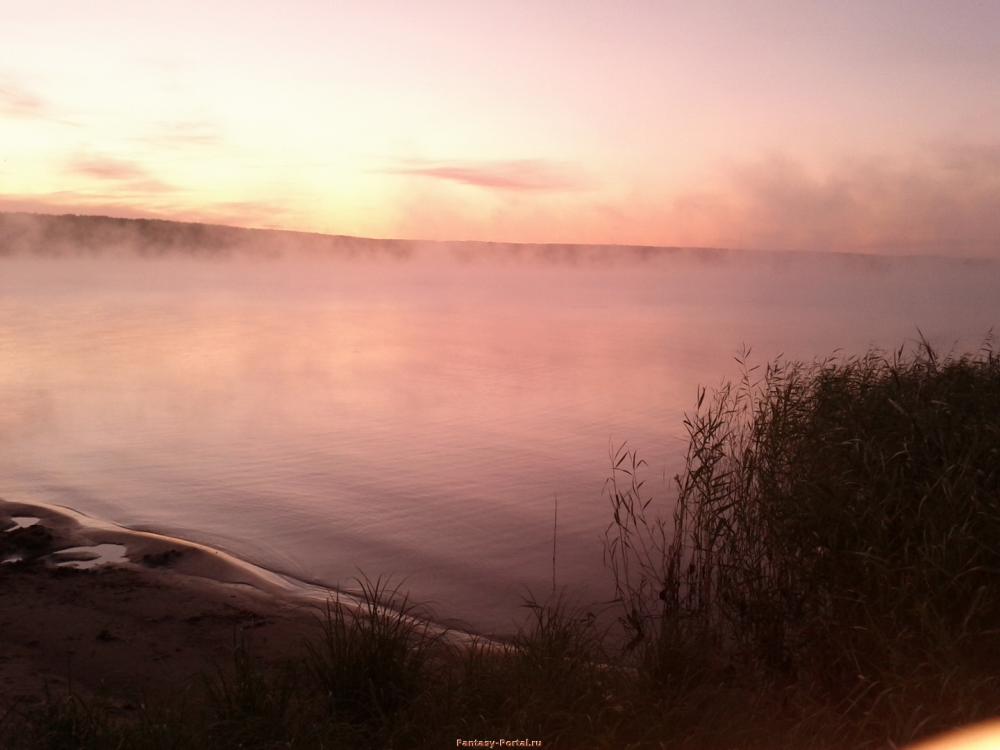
(59, 233)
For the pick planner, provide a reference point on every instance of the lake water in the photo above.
(414, 416)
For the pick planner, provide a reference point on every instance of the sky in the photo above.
(870, 126)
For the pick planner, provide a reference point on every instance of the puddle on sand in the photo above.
(22, 522)
(84, 558)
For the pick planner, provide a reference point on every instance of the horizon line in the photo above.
(696, 248)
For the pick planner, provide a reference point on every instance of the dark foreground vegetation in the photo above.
(825, 576)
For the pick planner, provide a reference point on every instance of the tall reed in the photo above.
(835, 521)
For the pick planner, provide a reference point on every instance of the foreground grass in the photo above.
(826, 576)
(836, 538)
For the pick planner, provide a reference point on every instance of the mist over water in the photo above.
(410, 408)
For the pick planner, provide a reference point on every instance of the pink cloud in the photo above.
(16, 101)
(106, 168)
(520, 174)
(136, 206)
(128, 177)
(941, 201)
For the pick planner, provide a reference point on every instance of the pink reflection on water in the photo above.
(412, 417)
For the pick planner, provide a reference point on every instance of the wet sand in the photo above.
(153, 618)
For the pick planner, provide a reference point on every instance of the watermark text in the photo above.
(498, 743)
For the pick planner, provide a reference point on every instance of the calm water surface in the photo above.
(414, 417)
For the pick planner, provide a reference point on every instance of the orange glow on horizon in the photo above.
(796, 127)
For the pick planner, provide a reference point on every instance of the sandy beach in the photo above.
(162, 612)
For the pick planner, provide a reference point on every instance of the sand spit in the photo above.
(100, 610)
(145, 549)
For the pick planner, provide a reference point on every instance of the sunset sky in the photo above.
(865, 126)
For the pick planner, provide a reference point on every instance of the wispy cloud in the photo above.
(943, 200)
(514, 175)
(127, 176)
(17, 101)
(98, 183)
(240, 213)
(185, 134)
(107, 168)
(21, 102)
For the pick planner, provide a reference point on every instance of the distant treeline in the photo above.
(72, 234)
(76, 235)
